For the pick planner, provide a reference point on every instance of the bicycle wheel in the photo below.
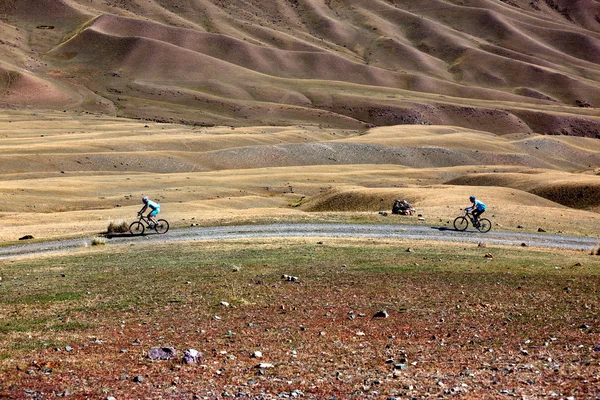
(484, 225)
(461, 223)
(162, 226)
(136, 228)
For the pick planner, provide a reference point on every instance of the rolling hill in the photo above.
(248, 108)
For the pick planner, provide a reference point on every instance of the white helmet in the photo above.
(145, 199)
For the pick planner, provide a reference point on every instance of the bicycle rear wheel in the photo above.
(484, 225)
(461, 223)
(162, 226)
(136, 228)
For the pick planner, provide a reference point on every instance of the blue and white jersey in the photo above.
(153, 205)
(479, 205)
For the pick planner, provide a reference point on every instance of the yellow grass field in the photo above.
(70, 174)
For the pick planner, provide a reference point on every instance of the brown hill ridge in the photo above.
(517, 66)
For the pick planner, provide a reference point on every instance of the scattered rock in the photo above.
(597, 348)
(224, 304)
(191, 356)
(289, 278)
(482, 244)
(381, 314)
(265, 366)
(409, 250)
(402, 207)
(519, 226)
(489, 255)
(161, 353)
(583, 103)
(541, 230)
(524, 244)
(421, 219)
(256, 354)
(68, 348)
(26, 237)
(400, 366)
(383, 213)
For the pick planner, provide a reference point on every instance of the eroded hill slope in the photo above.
(500, 66)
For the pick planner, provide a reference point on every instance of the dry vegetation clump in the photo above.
(117, 227)
(98, 241)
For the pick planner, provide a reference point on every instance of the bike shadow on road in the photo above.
(124, 235)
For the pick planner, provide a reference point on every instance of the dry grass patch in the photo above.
(117, 227)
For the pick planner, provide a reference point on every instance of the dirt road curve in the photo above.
(410, 232)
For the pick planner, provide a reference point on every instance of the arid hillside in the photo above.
(233, 110)
(494, 65)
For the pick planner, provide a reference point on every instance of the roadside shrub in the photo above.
(117, 227)
(98, 241)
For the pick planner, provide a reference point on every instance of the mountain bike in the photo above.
(462, 223)
(138, 227)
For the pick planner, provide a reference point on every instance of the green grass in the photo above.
(190, 280)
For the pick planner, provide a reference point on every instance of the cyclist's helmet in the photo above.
(145, 199)
(472, 198)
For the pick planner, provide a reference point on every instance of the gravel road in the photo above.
(373, 231)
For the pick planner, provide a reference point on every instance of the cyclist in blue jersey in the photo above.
(476, 209)
(153, 206)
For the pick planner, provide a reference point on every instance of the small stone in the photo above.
(111, 398)
(224, 304)
(265, 366)
(68, 348)
(161, 353)
(138, 379)
(482, 244)
(381, 314)
(191, 356)
(256, 354)
(409, 250)
(489, 255)
(26, 237)
(400, 366)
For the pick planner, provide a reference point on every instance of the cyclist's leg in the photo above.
(476, 213)
(153, 214)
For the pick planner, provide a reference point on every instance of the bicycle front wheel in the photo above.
(162, 226)
(484, 225)
(136, 228)
(461, 223)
